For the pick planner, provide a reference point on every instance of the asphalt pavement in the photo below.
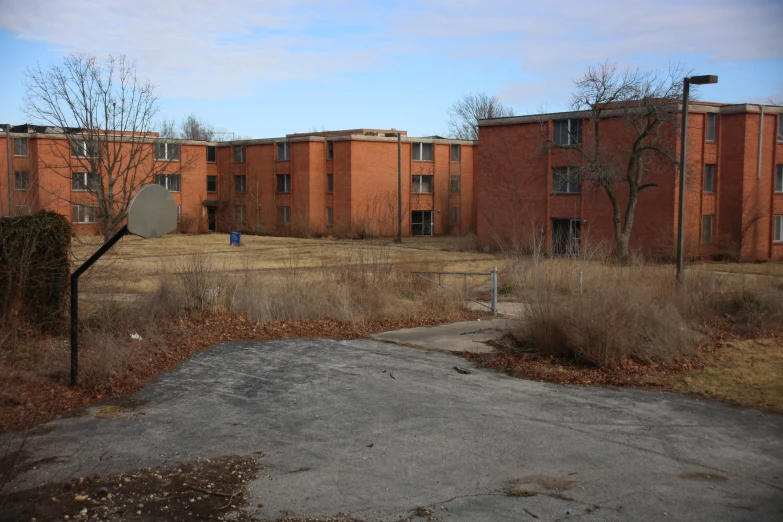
(374, 430)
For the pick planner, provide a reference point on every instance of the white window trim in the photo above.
(85, 149)
(286, 183)
(458, 148)
(421, 184)
(420, 146)
(167, 179)
(83, 216)
(26, 141)
(167, 154)
(714, 117)
(242, 150)
(85, 182)
(779, 179)
(571, 128)
(569, 183)
(286, 151)
(777, 229)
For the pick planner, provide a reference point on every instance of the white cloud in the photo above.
(204, 48)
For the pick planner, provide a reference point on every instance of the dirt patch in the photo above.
(207, 489)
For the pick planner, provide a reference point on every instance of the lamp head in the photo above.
(702, 80)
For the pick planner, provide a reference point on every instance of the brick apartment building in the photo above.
(734, 186)
(341, 183)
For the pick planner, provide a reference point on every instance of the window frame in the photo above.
(420, 146)
(79, 212)
(168, 181)
(240, 184)
(710, 127)
(777, 228)
(85, 148)
(286, 215)
(330, 183)
(420, 184)
(571, 141)
(286, 151)
(88, 182)
(709, 173)
(780, 127)
(458, 148)
(455, 184)
(165, 151)
(707, 238)
(212, 148)
(240, 209)
(779, 179)
(569, 173)
(286, 183)
(26, 147)
(329, 149)
(215, 182)
(179, 213)
(23, 175)
(241, 150)
(329, 216)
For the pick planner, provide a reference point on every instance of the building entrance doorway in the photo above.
(566, 236)
(211, 219)
(421, 222)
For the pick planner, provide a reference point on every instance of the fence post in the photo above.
(494, 285)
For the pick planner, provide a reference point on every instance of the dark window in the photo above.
(211, 184)
(166, 151)
(329, 216)
(709, 178)
(330, 183)
(454, 185)
(283, 215)
(20, 146)
(82, 148)
(21, 180)
(454, 216)
(566, 180)
(211, 154)
(283, 151)
(568, 132)
(422, 152)
(239, 153)
(778, 232)
(706, 229)
(240, 184)
(283, 183)
(422, 185)
(83, 214)
(421, 222)
(779, 178)
(170, 181)
(329, 150)
(239, 214)
(455, 152)
(780, 127)
(711, 117)
(84, 181)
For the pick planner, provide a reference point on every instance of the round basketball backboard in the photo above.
(152, 212)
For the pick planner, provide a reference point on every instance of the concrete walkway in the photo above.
(466, 336)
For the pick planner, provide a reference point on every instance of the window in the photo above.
(568, 132)
(21, 180)
(283, 183)
(179, 213)
(166, 151)
(454, 184)
(422, 152)
(778, 233)
(169, 181)
(211, 154)
(239, 214)
(283, 215)
(566, 180)
(329, 216)
(22, 210)
(283, 151)
(455, 153)
(779, 179)
(84, 181)
(239, 153)
(711, 126)
(83, 214)
(240, 184)
(422, 185)
(329, 150)
(454, 216)
(706, 229)
(211, 184)
(709, 178)
(82, 148)
(780, 127)
(20, 146)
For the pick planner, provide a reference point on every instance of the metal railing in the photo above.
(493, 285)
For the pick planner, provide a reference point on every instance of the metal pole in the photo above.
(399, 188)
(75, 300)
(683, 150)
(494, 285)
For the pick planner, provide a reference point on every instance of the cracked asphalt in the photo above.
(374, 430)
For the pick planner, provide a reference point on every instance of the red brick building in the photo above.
(341, 183)
(734, 187)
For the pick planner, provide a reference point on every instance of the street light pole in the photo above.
(686, 85)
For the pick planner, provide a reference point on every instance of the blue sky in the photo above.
(265, 69)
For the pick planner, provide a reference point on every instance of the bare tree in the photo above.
(192, 128)
(104, 114)
(168, 129)
(465, 113)
(633, 123)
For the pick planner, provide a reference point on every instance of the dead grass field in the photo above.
(769, 268)
(136, 265)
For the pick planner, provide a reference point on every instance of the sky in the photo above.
(261, 68)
